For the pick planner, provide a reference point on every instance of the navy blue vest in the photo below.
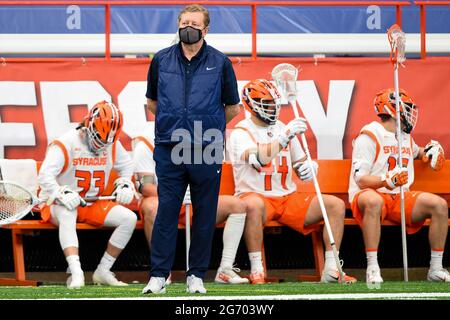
(177, 108)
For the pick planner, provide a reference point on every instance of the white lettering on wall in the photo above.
(73, 21)
(57, 96)
(16, 93)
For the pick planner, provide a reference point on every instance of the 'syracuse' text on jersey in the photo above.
(375, 152)
(69, 162)
(275, 178)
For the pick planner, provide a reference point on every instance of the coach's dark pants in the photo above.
(204, 181)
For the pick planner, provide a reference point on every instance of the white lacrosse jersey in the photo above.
(143, 148)
(69, 162)
(275, 178)
(375, 152)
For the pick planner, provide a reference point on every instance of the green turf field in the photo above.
(286, 290)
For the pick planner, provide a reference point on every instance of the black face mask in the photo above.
(190, 35)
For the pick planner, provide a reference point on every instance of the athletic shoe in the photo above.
(194, 285)
(169, 280)
(155, 285)
(75, 281)
(441, 275)
(106, 277)
(373, 275)
(229, 275)
(332, 275)
(257, 277)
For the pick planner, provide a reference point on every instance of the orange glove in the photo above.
(395, 178)
(435, 153)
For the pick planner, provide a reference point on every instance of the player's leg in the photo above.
(204, 182)
(124, 221)
(367, 210)
(66, 221)
(172, 185)
(232, 211)
(149, 208)
(428, 205)
(335, 209)
(253, 234)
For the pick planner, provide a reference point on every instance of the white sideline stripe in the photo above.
(332, 296)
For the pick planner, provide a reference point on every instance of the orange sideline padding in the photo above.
(327, 87)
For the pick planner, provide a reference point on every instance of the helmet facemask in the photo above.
(103, 126)
(409, 114)
(263, 100)
(267, 110)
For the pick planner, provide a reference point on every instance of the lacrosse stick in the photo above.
(16, 201)
(285, 76)
(397, 41)
(187, 202)
(92, 199)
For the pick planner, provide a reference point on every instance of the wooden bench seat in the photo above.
(333, 179)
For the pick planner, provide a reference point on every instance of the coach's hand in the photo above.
(395, 178)
(124, 191)
(296, 126)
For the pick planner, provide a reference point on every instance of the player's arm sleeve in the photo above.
(51, 167)
(297, 152)
(239, 143)
(152, 79)
(123, 162)
(363, 156)
(230, 93)
(143, 159)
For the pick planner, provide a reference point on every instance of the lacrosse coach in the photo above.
(192, 91)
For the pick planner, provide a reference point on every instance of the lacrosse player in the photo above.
(78, 164)
(264, 154)
(231, 210)
(375, 179)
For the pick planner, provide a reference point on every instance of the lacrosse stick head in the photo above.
(397, 41)
(15, 202)
(385, 104)
(262, 99)
(285, 76)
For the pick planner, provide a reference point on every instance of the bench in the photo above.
(333, 179)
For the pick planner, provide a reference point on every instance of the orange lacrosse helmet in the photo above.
(103, 125)
(262, 99)
(384, 104)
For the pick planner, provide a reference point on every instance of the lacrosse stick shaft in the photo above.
(91, 199)
(293, 103)
(188, 233)
(400, 164)
(283, 79)
(322, 208)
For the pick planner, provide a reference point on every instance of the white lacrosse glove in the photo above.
(124, 191)
(187, 196)
(395, 178)
(67, 197)
(293, 128)
(304, 171)
(435, 153)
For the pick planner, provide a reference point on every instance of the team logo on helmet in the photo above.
(384, 104)
(262, 99)
(103, 125)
